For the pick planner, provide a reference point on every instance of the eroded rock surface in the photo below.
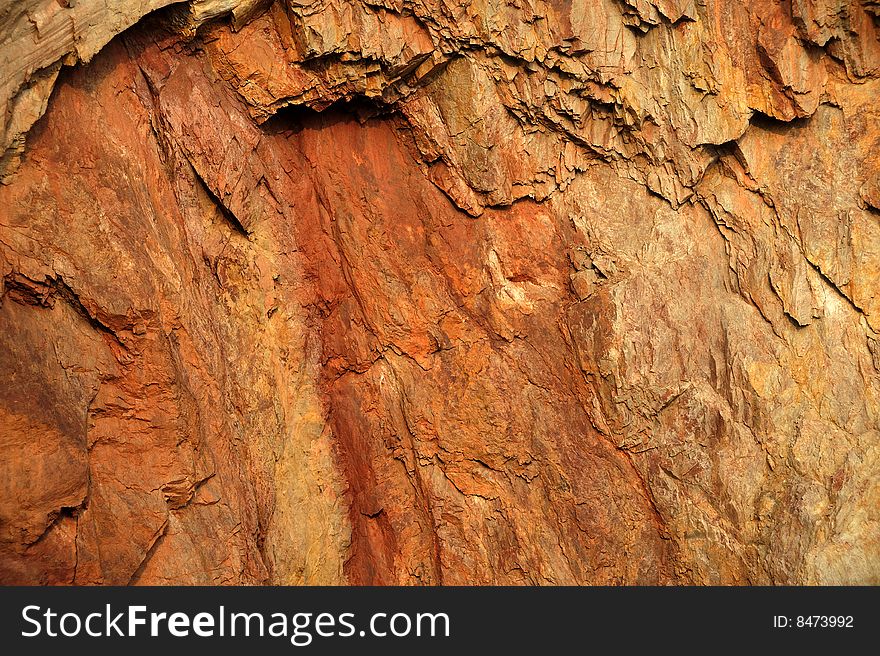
(434, 292)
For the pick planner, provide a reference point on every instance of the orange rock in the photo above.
(572, 293)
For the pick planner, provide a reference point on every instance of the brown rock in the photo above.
(427, 293)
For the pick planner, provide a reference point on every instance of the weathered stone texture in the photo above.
(425, 291)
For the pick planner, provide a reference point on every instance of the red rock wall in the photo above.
(578, 293)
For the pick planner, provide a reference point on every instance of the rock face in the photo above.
(440, 292)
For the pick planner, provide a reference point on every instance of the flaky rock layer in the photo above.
(436, 292)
